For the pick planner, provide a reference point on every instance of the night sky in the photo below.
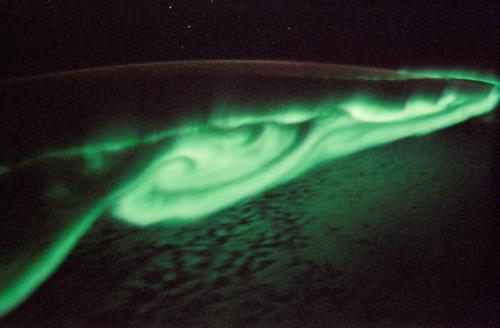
(54, 35)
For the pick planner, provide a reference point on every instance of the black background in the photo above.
(54, 35)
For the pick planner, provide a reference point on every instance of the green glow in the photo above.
(3, 169)
(240, 155)
(93, 153)
(22, 278)
(452, 74)
(242, 151)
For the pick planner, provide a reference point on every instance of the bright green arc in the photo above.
(238, 154)
(38, 271)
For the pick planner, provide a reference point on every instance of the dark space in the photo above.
(429, 274)
(48, 36)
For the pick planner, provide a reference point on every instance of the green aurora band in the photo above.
(239, 153)
(236, 156)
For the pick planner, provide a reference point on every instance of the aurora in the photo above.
(236, 157)
(171, 143)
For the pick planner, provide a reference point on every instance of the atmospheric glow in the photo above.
(20, 286)
(240, 155)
